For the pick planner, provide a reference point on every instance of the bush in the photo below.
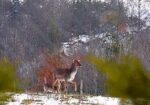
(8, 79)
(125, 78)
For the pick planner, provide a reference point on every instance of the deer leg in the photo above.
(66, 87)
(59, 86)
(44, 89)
(75, 85)
(54, 84)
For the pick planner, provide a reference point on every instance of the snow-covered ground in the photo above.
(59, 99)
(75, 43)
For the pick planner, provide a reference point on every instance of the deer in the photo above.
(66, 75)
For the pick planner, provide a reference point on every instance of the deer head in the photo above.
(76, 62)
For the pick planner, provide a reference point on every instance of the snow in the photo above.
(145, 9)
(59, 99)
(103, 100)
(35, 99)
(77, 41)
(73, 100)
(21, 1)
(84, 38)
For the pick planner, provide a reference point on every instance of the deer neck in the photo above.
(72, 73)
(73, 68)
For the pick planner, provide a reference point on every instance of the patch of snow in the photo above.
(58, 99)
(73, 100)
(41, 6)
(100, 35)
(20, 1)
(103, 100)
(45, 100)
(84, 38)
(75, 43)
(51, 102)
